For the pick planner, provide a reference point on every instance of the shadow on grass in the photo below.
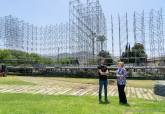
(105, 103)
(127, 105)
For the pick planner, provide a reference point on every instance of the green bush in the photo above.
(14, 57)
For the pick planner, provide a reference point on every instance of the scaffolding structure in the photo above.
(139, 27)
(112, 36)
(87, 29)
(146, 29)
(49, 40)
(123, 33)
(139, 33)
(2, 27)
(156, 34)
(85, 35)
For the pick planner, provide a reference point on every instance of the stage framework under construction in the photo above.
(87, 29)
(145, 28)
(85, 35)
(82, 37)
(49, 40)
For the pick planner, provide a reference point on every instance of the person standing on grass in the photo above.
(103, 73)
(121, 82)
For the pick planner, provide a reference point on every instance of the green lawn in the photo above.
(11, 80)
(40, 104)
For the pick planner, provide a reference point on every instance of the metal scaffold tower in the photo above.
(139, 27)
(123, 33)
(2, 34)
(50, 40)
(156, 34)
(139, 33)
(53, 39)
(85, 35)
(87, 29)
(147, 30)
(112, 36)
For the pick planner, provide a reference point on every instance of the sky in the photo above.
(43, 12)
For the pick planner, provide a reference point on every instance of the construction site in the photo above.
(82, 57)
(16, 34)
(87, 33)
(78, 38)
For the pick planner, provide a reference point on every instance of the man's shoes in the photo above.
(120, 103)
(126, 104)
(107, 102)
(101, 102)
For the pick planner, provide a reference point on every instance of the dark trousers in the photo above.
(101, 84)
(122, 96)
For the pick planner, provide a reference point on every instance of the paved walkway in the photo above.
(49, 86)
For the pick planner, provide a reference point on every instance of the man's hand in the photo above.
(111, 71)
(104, 73)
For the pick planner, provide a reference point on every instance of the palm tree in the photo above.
(101, 39)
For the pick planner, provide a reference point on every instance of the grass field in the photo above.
(12, 80)
(40, 104)
(12, 103)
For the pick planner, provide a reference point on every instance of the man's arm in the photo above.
(111, 71)
(101, 73)
(107, 72)
(104, 73)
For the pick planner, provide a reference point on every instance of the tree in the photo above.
(14, 57)
(101, 39)
(107, 56)
(135, 55)
(126, 56)
(139, 53)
